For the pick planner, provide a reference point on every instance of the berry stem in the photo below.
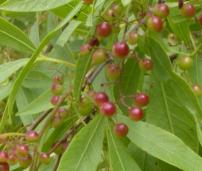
(11, 134)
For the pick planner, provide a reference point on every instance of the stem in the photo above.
(57, 163)
(11, 134)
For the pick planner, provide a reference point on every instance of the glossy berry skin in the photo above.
(197, 90)
(22, 150)
(146, 64)
(85, 49)
(55, 100)
(185, 63)
(94, 42)
(132, 37)
(155, 23)
(161, 10)
(3, 157)
(136, 113)
(88, 2)
(57, 89)
(108, 109)
(120, 49)
(188, 10)
(103, 29)
(99, 56)
(121, 130)
(32, 136)
(25, 161)
(200, 19)
(44, 158)
(100, 97)
(58, 79)
(4, 167)
(113, 71)
(141, 99)
(12, 159)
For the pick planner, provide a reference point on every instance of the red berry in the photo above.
(146, 64)
(88, 2)
(3, 157)
(12, 159)
(108, 109)
(4, 167)
(57, 89)
(85, 49)
(200, 19)
(100, 98)
(120, 49)
(197, 89)
(55, 100)
(22, 150)
(99, 56)
(58, 79)
(188, 10)
(113, 71)
(155, 23)
(141, 99)
(185, 63)
(136, 113)
(161, 10)
(94, 42)
(32, 136)
(132, 37)
(121, 129)
(103, 29)
(25, 161)
(44, 158)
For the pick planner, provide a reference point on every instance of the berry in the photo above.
(63, 112)
(57, 120)
(57, 89)
(121, 129)
(136, 113)
(85, 49)
(58, 79)
(60, 148)
(120, 49)
(44, 158)
(32, 136)
(22, 150)
(185, 63)
(172, 39)
(141, 99)
(25, 161)
(104, 29)
(113, 12)
(55, 100)
(197, 89)
(188, 10)
(100, 98)
(12, 159)
(146, 64)
(4, 167)
(155, 23)
(132, 37)
(113, 71)
(161, 10)
(3, 157)
(88, 2)
(108, 109)
(94, 42)
(200, 19)
(99, 56)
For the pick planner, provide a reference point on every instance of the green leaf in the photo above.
(120, 160)
(13, 37)
(84, 151)
(32, 5)
(162, 145)
(5, 90)
(126, 2)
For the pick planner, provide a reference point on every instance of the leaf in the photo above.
(64, 37)
(40, 104)
(32, 5)
(5, 90)
(13, 37)
(84, 151)
(162, 145)
(120, 160)
(126, 2)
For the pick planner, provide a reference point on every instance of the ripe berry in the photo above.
(58, 79)
(185, 63)
(197, 89)
(113, 71)
(25, 161)
(55, 100)
(136, 113)
(57, 89)
(161, 10)
(120, 49)
(12, 159)
(94, 42)
(108, 109)
(22, 150)
(121, 129)
(4, 167)
(200, 19)
(146, 64)
(155, 23)
(3, 157)
(44, 158)
(141, 99)
(32, 136)
(104, 29)
(99, 56)
(100, 97)
(88, 2)
(132, 37)
(85, 49)
(188, 10)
